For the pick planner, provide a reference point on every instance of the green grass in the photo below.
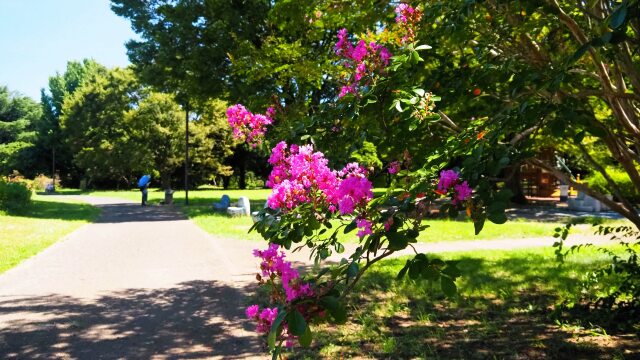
(200, 211)
(196, 197)
(505, 309)
(44, 222)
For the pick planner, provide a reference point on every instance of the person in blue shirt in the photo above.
(145, 191)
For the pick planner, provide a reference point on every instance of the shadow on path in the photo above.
(127, 212)
(186, 322)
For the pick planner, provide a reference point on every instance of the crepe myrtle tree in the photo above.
(312, 203)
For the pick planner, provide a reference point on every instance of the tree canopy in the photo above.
(18, 118)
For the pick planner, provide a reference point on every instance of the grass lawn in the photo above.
(200, 211)
(504, 311)
(46, 221)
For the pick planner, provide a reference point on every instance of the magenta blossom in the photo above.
(301, 175)
(447, 179)
(252, 311)
(450, 180)
(364, 227)
(394, 167)
(463, 192)
(247, 126)
(363, 62)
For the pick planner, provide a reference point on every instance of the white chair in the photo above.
(243, 207)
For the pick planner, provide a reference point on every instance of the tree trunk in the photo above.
(165, 180)
(242, 176)
(515, 185)
(225, 182)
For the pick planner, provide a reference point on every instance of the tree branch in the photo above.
(630, 214)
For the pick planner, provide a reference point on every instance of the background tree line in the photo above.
(102, 125)
(529, 74)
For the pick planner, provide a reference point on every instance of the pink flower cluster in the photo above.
(247, 126)
(407, 18)
(394, 167)
(365, 61)
(273, 266)
(301, 175)
(364, 227)
(264, 318)
(450, 179)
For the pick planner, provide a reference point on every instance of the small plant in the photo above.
(613, 287)
(41, 182)
(14, 196)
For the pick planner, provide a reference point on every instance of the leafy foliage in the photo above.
(14, 196)
(50, 141)
(615, 285)
(18, 116)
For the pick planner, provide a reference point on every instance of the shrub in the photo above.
(14, 196)
(620, 177)
(41, 181)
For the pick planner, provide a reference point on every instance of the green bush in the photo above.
(14, 196)
(620, 177)
(41, 181)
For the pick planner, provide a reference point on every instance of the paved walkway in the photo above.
(140, 283)
(145, 282)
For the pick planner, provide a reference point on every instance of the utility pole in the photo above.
(53, 167)
(186, 158)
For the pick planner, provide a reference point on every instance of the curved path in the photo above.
(141, 282)
(145, 282)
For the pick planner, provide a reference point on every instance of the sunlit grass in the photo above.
(504, 308)
(44, 222)
(201, 212)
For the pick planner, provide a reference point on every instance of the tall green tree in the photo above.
(158, 123)
(211, 142)
(98, 132)
(51, 144)
(256, 52)
(548, 72)
(18, 115)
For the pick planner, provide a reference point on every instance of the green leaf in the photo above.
(478, 225)
(404, 270)
(430, 273)
(504, 195)
(597, 131)
(579, 137)
(415, 269)
(397, 241)
(350, 227)
(273, 333)
(398, 107)
(422, 47)
(606, 37)
(296, 323)
(452, 271)
(305, 339)
(557, 128)
(448, 286)
(352, 270)
(581, 51)
(618, 17)
(337, 311)
(497, 217)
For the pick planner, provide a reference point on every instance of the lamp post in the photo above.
(186, 158)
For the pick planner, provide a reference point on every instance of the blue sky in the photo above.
(38, 37)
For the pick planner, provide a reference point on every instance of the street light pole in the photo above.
(186, 158)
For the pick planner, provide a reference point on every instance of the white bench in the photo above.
(584, 202)
(242, 208)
